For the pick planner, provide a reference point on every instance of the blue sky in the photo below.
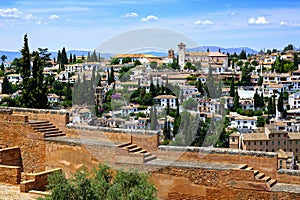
(86, 24)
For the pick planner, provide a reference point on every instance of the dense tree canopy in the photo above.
(101, 184)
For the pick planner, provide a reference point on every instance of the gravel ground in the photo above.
(12, 192)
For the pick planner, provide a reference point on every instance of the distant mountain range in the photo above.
(16, 54)
(225, 50)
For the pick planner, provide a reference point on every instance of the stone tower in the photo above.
(171, 53)
(181, 54)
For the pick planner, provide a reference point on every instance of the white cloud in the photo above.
(292, 24)
(283, 23)
(296, 24)
(54, 17)
(149, 18)
(131, 14)
(39, 22)
(258, 20)
(15, 13)
(205, 22)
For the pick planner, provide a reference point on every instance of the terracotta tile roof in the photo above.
(255, 136)
(165, 97)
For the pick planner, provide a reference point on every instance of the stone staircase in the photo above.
(46, 128)
(260, 176)
(134, 149)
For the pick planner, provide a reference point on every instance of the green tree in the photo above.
(153, 118)
(236, 100)
(71, 58)
(280, 102)
(288, 47)
(126, 60)
(137, 63)
(190, 104)
(232, 88)
(100, 184)
(6, 86)
(243, 55)
(260, 121)
(296, 62)
(25, 74)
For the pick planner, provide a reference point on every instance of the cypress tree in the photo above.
(232, 89)
(280, 102)
(236, 103)
(71, 58)
(74, 58)
(25, 99)
(6, 86)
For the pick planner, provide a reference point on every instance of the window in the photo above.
(254, 143)
(260, 142)
(278, 142)
(267, 143)
(267, 150)
(272, 150)
(296, 142)
(248, 143)
(272, 142)
(233, 139)
(290, 142)
(284, 142)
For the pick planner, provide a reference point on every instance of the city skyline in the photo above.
(86, 25)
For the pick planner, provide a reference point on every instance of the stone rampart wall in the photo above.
(10, 174)
(265, 162)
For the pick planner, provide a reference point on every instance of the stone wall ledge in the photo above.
(289, 172)
(209, 150)
(112, 130)
(33, 110)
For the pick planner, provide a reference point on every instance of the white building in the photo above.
(245, 124)
(53, 98)
(14, 78)
(163, 100)
(294, 100)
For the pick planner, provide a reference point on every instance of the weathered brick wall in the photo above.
(288, 176)
(11, 156)
(10, 174)
(197, 184)
(264, 162)
(59, 118)
(32, 149)
(146, 139)
(38, 182)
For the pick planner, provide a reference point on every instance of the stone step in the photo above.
(135, 149)
(149, 158)
(266, 178)
(54, 135)
(259, 176)
(147, 154)
(47, 129)
(249, 168)
(130, 146)
(272, 182)
(244, 166)
(142, 151)
(43, 126)
(52, 132)
(43, 193)
(124, 144)
(256, 172)
(37, 122)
